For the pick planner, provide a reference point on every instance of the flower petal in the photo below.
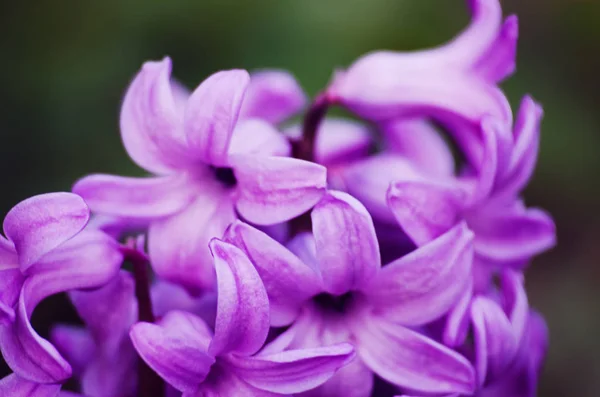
(41, 223)
(426, 283)
(151, 124)
(212, 113)
(75, 344)
(288, 281)
(425, 210)
(457, 323)
(275, 189)
(178, 245)
(500, 60)
(175, 348)
(15, 386)
(144, 198)
(11, 280)
(406, 358)
(273, 95)
(242, 321)
(257, 137)
(108, 375)
(292, 371)
(515, 301)
(227, 383)
(347, 248)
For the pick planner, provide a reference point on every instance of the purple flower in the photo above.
(14, 385)
(333, 289)
(46, 252)
(208, 165)
(183, 350)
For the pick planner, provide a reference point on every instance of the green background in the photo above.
(66, 64)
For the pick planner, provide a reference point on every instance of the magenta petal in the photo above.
(426, 283)
(41, 223)
(500, 60)
(273, 95)
(289, 282)
(136, 197)
(255, 136)
(347, 248)
(178, 245)
(425, 210)
(227, 383)
(151, 124)
(212, 113)
(292, 371)
(406, 358)
(75, 344)
(243, 306)
(175, 348)
(275, 189)
(515, 301)
(495, 342)
(11, 280)
(15, 386)
(457, 323)
(354, 379)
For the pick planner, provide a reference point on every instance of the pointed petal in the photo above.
(288, 281)
(347, 248)
(515, 301)
(15, 386)
(178, 245)
(243, 320)
(276, 189)
(75, 344)
(273, 95)
(257, 137)
(151, 124)
(144, 198)
(354, 379)
(175, 348)
(212, 113)
(41, 223)
(426, 283)
(457, 323)
(512, 234)
(500, 60)
(407, 358)
(292, 371)
(425, 210)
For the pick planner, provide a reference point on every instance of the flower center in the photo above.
(225, 175)
(338, 304)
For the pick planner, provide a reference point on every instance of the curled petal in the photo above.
(178, 245)
(273, 95)
(11, 280)
(151, 124)
(75, 344)
(289, 282)
(242, 322)
(257, 137)
(211, 115)
(425, 210)
(406, 358)
(144, 198)
(515, 301)
(41, 223)
(293, 371)
(275, 189)
(15, 386)
(175, 348)
(457, 323)
(347, 248)
(500, 60)
(426, 283)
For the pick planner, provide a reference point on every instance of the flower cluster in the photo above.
(335, 257)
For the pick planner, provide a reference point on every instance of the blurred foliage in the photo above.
(66, 64)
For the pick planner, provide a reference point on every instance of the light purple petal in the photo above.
(407, 358)
(15, 386)
(75, 344)
(226, 383)
(515, 301)
(292, 371)
(500, 60)
(354, 379)
(275, 189)
(495, 342)
(178, 245)
(511, 234)
(11, 280)
(41, 223)
(212, 113)
(243, 306)
(426, 283)
(457, 323)
(289, 282)
(176, 348)
(425, 210)
(112, 375)
(151, 123)
(273, 95)
(144, 198)
(257, 137)
(347, 248)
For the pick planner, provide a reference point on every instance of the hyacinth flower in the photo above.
(338, 292)
(46, 252)
(183, 350)
(207, 166)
